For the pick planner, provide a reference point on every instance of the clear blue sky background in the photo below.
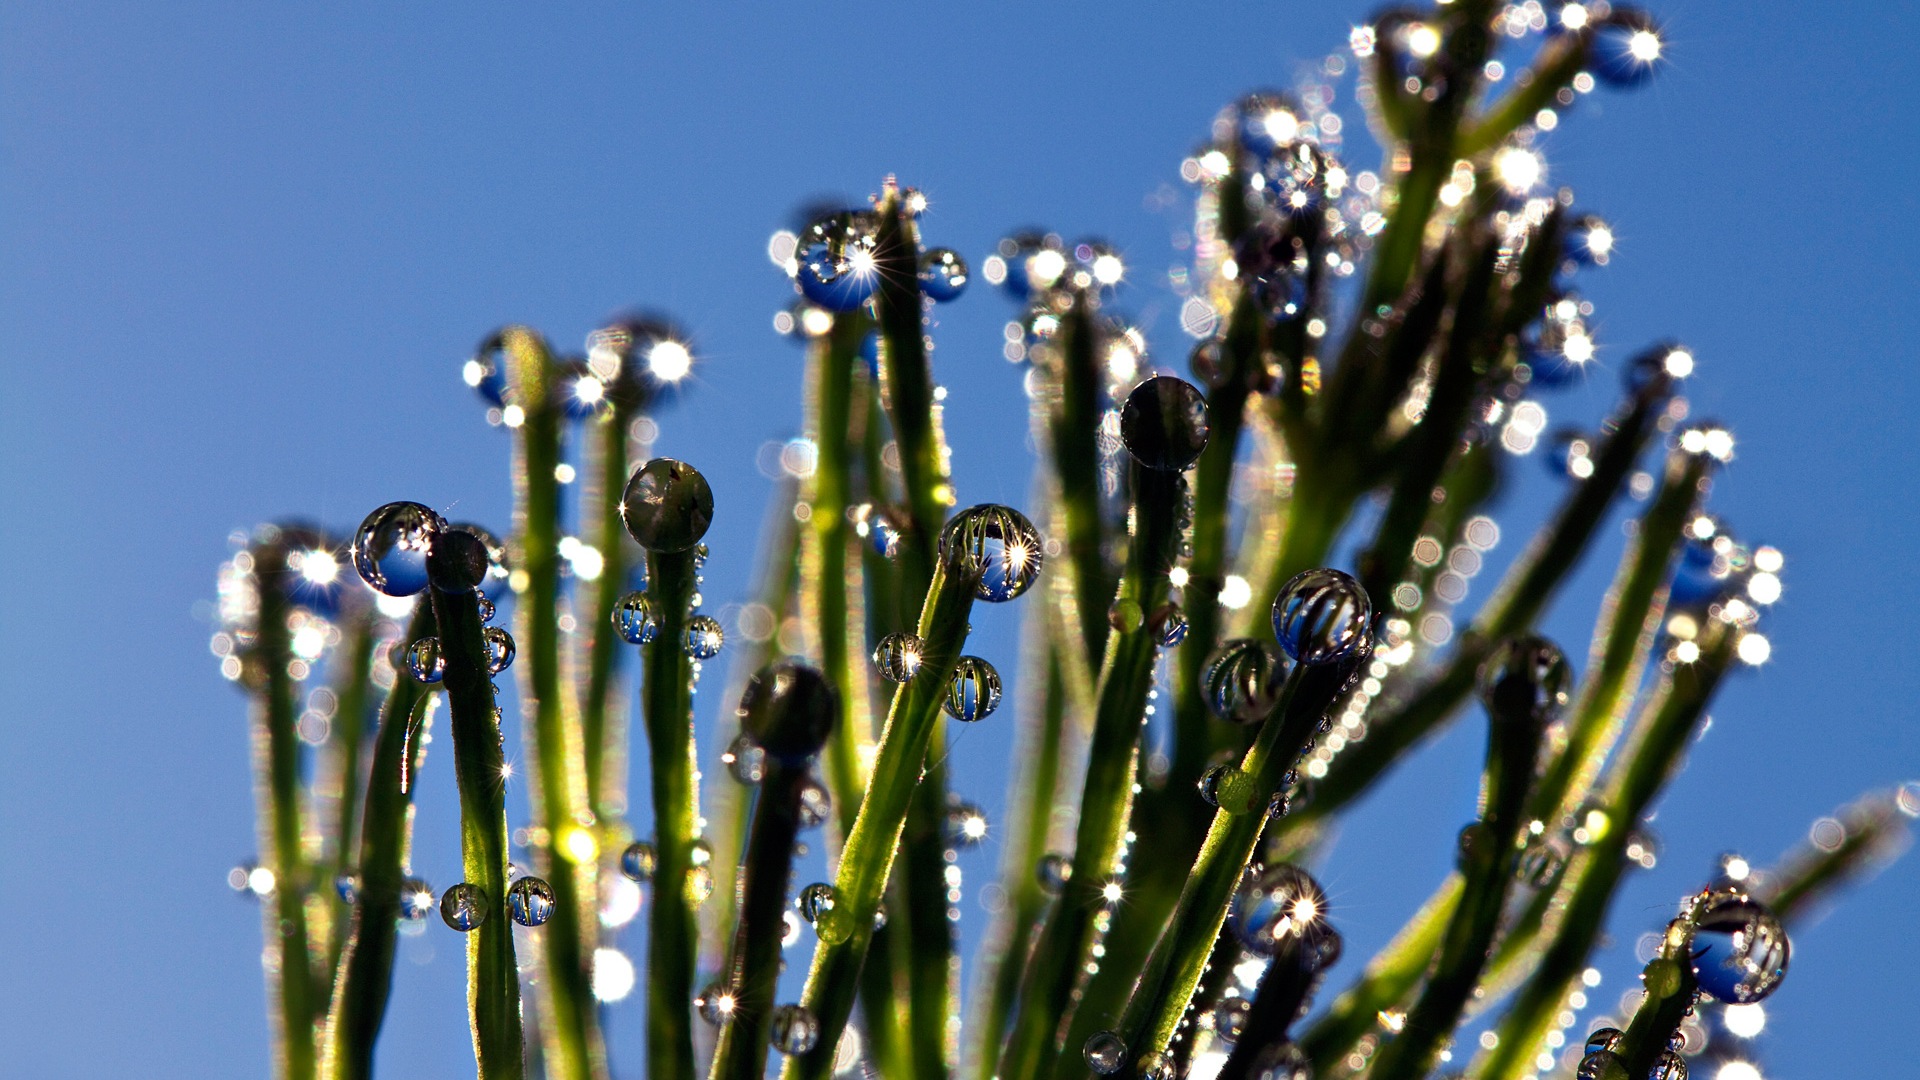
(243, 248)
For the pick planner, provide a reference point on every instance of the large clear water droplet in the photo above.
(425, 662)
(1601, 1065)
(789, 710)
(1230, 1018)
(815, 901)
(390, 549)
(636, 618)
(1604, 1038)
(1668, 1066)
(836, 261)
(998, 545)
(715, 1003)
(897, 657)
(703, 637)
(1164, 424)
(1236, 680)
(1106, 1052)
(795, 1031)
(1321, 616)
(1740, 949)
(974, 691)
(667, 505)
(943, 274)
(1052, 872)
(499, 646)
(1158, 1067)
(464, 907)
(530, 901)
(1527, 678)
(1279, 904)
(639, 860)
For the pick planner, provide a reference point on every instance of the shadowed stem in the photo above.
(667, 706)
(364, 977)
(352, 685)
(570, 1026)
(276, 754)
(493, 979)
(866, 860)
(607, 469)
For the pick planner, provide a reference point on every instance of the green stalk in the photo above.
(570, 1027)
(1875, 825)
(1387, 983)
(866, 861)
(1665, 725)
(1069, 934)
(606, 475)
(364, 976)
(1553, 70)
(1671, 990)
(353, 681)
(1283, 990)
(923, 956)
(493, 979)
(1623, 642)
(1523, 594)
(673, 929)
(291, 984)
(1072, 439)
(1513, 746)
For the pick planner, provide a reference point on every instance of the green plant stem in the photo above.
(1070, 931)
(607, 469)
(352, 685)
(364, 976)
(1665, 725)
(1523, 594)
(493, 979)
(1072, 439)
(1560, 59)
(1874, 825)
(754, 966)
(667, 707)
(866, 861)
(291, 981)
(1388, 982)
(1513, 746)
(570, 1028)
(1283, 989)
(1671, 990)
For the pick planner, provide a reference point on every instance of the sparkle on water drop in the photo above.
(966, 824)
(464, 907)
(897, 657)
(636, 619)
(745, 761)
(1236, 680)
(530, 901)
(703, 637)
(1164, 424)
(943, 274)
(425, 663)
(390, 549)
(1527, 679)
(1282, 902)
(1740, 949)
(974, 691)
(715, 1003)
(998, 545)
(416, 899)
(816, 900)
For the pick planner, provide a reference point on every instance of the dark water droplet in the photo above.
(1164, 424)
(1321, 616)
(667, 506)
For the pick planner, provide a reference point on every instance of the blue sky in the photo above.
(243, 249)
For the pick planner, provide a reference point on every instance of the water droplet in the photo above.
(1668, 1066)
(966, 824)
(745, 761)
(715, 1003)
(499, 646)
(530, 901)
(486, 607)
(974, 691)
(638, 861)
(789, 710)
(703, 637)
(1106, 1052)
(1236, 680)
(1605, 1038)
(1158, 1067)
(795, 1031)
(667, 505)
(636, 619)
(943, 274)
(463, 907)
(884, 533)
(1164, 424)
(1282, 1061)
(815, 901)
(1280, 903)
(1541, 861)
(1169, 625)
(457, 561)
(416, 899)
(880, 916)
(347, 887)
(1053, 870)
(998, 545)
(425, 662)
(1740, 950)
(897, 657)
(815, 804)
(1601, 1065)
(1230, 1018)
(1321, 616)
(390, 549)
(495, 581)
(1526, 679)
(1125, 615)
(836, 265)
